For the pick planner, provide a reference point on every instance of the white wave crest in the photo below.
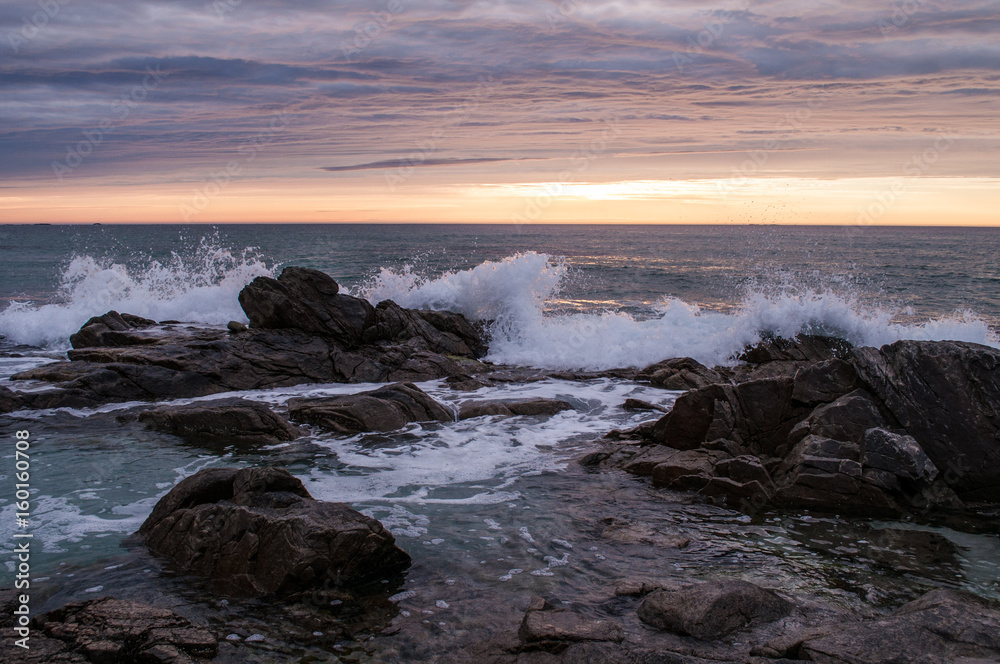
(513, 293)
(199, 288)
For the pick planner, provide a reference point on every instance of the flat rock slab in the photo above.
(546, 628)
(227, 421)
(941, 626)
(385, 409)
(511, 407)
(711, 610)
(113, 630)
(257, 531)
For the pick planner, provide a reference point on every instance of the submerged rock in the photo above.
(114, 630)
(257, 531)
(711, 610)
(548, 628)
(941, 626)
(225, 421)
(385, 409)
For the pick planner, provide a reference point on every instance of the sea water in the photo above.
(490, 505)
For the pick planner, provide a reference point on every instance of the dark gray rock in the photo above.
(681, 373)
(111, 329)
(107, 630)
(225, 421)
(824, 382)
(803, 348)
(308, 301)
(510, 407)
(711, 610)
(947, 396)
(941, 626)
(639, 404)
(846, 419)
(897, 454)
(688, 469)
(385, 409)
(547, 628)
(235, 327)
(10, 400)
(256, 531)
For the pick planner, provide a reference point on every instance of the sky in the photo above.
(534, 111)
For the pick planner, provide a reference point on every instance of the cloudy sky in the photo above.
(521, 110)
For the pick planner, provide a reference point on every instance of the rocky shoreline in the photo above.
(910, 430)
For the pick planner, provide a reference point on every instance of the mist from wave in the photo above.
(199, 287)
(514, 293)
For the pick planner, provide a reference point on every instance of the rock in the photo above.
(226, 421)
(306, 300)
(681, 373)
(687, 470)
(385, 409)
(897, 454)
(510, 407)
(808, 348)
(10, 400)
(546, 628)
(846, 419)
(235, 327)
(624, 531)
(113, 630)
(826, 474)
(639, 404)
(946, 395)
(711, 610)
(699, 415)
(111, 329)
(256, 531)
(941, 626)
(824, 382)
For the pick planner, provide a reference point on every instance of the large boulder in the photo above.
(306, 300)
(257, 531)
(442, 331)
(226, 421)
(385, 409)
(713, 609)
(946, 395)
(10, 400)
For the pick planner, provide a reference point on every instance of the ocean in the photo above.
(491, 506)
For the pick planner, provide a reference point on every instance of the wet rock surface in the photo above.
(814, 423)
(114, 630)
(385, 409)
(223, 421)
(257, 531)
(511, 407)
(302, 330)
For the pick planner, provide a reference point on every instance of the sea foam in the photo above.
(200, 288)
(514, 292)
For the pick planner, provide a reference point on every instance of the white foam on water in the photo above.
(200, 288)
(514, 292)
(475, 461)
